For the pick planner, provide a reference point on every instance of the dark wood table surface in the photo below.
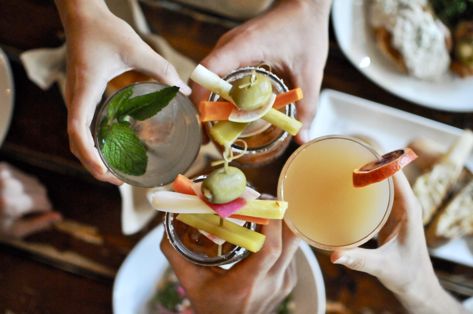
(33, 280)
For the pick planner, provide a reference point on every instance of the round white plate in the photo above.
(139, 274)
(352, 31)
(6, 96)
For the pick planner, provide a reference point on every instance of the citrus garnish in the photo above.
(383, 168)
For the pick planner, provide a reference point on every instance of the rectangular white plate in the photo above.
(344, 114)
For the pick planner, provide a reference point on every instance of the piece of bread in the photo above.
(455, 220)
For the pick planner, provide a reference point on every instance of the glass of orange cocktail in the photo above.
(325, 209)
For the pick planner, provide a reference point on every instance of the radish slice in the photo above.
(211, 81)
(255, 127)
(225, 210)
(244, 116)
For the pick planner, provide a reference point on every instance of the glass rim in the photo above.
(96, 129)
(290, 109)
(325, 246)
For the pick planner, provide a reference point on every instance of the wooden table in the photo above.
(33, 280)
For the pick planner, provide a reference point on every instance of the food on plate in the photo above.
(433, 187)
(455, 220)
(463, 49)
(171, 298)
(408, 33)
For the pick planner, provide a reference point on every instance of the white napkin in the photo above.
(45, 66)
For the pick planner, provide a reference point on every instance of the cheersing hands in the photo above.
(101, 46)
(402, 262)
(292, 38)
(255, 285)
(21, 194)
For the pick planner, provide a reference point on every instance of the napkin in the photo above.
(46, 66)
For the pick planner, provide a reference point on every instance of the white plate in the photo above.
(6, 96)
(139, 274)
(355, 39)
(344, 114)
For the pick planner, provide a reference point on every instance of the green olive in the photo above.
(251, 92)
(223, 186)
(464, 51)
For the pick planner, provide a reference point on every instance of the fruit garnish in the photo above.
(383, 168)
(223, 185)
(229, 231)
(243, 116)
(225, 133)
(251, 92)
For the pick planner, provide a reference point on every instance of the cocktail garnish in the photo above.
(120, 146)
(383, 168)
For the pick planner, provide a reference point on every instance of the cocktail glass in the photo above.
(172, 138)
(264, 141)
(196, 247)
(325, 209)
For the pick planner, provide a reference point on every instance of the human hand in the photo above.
(258, 284)
(101, 46)
(292, 38)
(402, 262)
(21, 194)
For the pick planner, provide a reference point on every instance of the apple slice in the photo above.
(383, 168)
(245, 116)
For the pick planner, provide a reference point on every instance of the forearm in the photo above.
(430, 298)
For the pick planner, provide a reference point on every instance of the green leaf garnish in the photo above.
(145, 106)
(123, 150)
(117, 101)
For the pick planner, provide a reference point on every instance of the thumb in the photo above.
(365, 260)
(152, 64)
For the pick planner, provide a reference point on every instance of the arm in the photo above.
(292, 38)
(402, 261)
(101, 46)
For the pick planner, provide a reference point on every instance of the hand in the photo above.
(100, 46)
(257, 284)
(21, 194)
(402, 261)
(292, 38)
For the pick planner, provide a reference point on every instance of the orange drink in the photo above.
(325, 209)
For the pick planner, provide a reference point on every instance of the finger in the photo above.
(290, 245)
(26, 226)
(189, 274)
(87, 93)
(309, 80)
(260, 263)
(146, 60)
(365, 260)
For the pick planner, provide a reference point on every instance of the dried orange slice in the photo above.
(383, 168)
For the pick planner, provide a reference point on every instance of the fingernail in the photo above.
(304, 135)
(343, 260)
(186, 90)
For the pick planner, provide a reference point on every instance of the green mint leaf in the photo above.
(145, 106)
(117, 102)
(123, 150)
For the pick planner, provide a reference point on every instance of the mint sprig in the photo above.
(123, 150)
(120, 146)
(145, 106)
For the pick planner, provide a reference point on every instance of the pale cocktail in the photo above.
(325, 209)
